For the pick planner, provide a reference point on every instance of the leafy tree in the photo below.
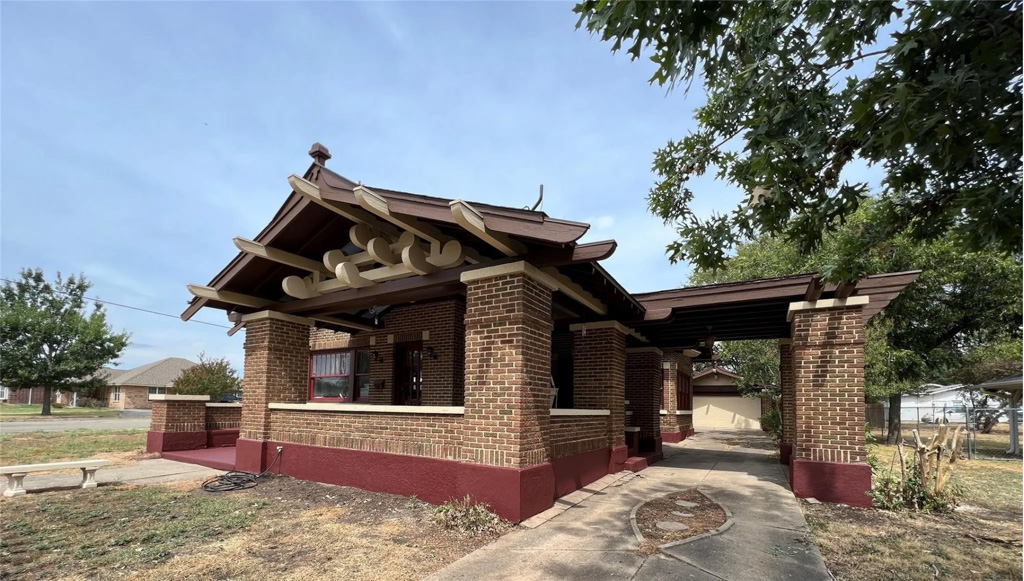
(212, 377)
(48, 339)
(798, 91)
(986, 363)
(961, 302)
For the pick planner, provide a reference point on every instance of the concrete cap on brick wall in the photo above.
(176, 397)
(261, 315)
(858, 300)
(521, 267)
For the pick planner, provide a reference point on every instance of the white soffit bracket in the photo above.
(858, 300)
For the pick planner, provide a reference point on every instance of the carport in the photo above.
(820, 331)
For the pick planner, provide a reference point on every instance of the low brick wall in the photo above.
(223, 416)
(572, 435)
(427, 435)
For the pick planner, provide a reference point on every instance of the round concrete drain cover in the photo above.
(682, 514)
(686, 504)
(672, 526)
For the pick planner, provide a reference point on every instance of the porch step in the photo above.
(216, 458)
(636, 463)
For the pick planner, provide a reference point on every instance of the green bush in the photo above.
(771, 422)
(468, 518)
(890, 492)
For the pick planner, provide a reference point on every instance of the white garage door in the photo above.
(712, 412)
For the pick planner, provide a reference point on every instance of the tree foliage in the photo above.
(961, 302)
(211, 376)
(47, 337)
(798, 91)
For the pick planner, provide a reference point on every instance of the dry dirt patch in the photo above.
(283, 528)
(706, 516)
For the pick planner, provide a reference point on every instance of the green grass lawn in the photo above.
(31, 412)
(119, 446)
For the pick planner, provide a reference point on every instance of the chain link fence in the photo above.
(991, 433)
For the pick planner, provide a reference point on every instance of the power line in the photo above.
(132, 308)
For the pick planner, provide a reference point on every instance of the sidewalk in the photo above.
(594, 540)
(155, 471)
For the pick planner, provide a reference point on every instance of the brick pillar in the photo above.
(788, 401)
(644, 381)
(599, 379)
(508, 383)
(829, 450)
(669, 428)
(178, 423)
(276, 371)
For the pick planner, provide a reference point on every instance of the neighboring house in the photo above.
(132, 388)
(718, 404)
(932, 402)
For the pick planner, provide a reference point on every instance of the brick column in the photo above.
(178, 423)
(508, 382)
(276, 371)
(788, 401)
(829, 450)
(644, 381)
(670, 431)
(599, 379)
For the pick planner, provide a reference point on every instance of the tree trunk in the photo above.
(895, 410)
(46, 400)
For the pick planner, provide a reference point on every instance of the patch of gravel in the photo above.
(704, 515)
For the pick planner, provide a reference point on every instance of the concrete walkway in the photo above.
(156, 471)
(594, 540)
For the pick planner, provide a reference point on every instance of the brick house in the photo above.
(129, 389)
(418, 345)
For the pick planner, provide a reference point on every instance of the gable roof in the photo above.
(156, 374)
(715, 371)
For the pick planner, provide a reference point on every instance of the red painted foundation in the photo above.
(690, 432)
(222, 458)
(785, 453)
(174, 441)
(617, 459)
(512, 493)
(221, 438)
(576, 471)
(671, 437)
(831, 481)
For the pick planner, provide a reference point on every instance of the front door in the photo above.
(408, 371)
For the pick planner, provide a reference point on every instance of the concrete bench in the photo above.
(16, 474)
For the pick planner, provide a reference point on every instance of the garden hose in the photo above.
(237, 480)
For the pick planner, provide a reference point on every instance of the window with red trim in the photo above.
(339, 376)
(684, 392)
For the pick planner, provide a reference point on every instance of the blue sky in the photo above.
(139, 138)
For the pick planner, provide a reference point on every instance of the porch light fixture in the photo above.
(375, 355)
(429, 351)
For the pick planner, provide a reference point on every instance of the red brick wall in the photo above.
(828, 370)
(430, 435)
(577, 434)
(276, 370)
(508, 367)
(788, 403)
(671, 423)
(644, 382)
(223, 418)
(178, 416)
(599, 375)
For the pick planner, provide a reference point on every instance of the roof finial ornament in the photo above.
(319, 153)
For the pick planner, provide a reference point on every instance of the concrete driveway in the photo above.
(128, 420)
(594, 540)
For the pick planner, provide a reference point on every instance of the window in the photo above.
(157, 391)
(117, 393)
(339, 376)
(684, 392)
(4, 394)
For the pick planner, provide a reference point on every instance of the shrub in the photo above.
(924, 484)
(466, 517)
(771, 422)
